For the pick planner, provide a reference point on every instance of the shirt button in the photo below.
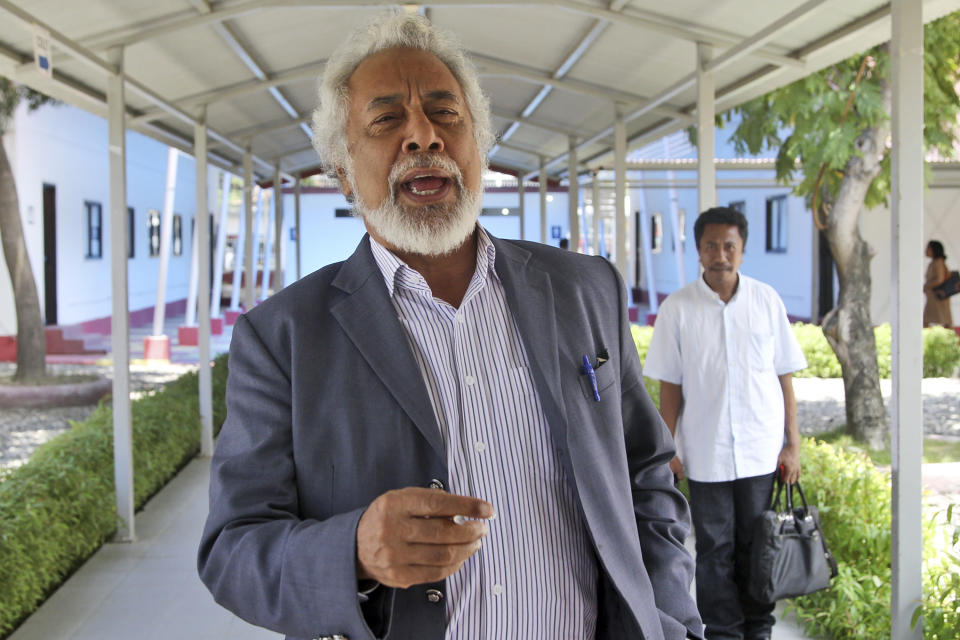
(434, 595)
(469, 380)
(435, 484)
(498, 589)
(480, 447)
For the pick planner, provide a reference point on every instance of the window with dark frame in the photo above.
(177, 234)
(94, 229)
(153, 232)
(131, 234)
(777, 224)
(656, 232)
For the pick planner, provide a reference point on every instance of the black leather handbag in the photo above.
(789, 556)
(949, 287)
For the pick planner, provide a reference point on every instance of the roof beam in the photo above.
(242, 88)
(90, 59)
(539, 124)
(494, 66)
(736, 52)
(645, 20)
(229, 35)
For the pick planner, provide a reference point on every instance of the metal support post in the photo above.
(120, 322)
(573, 196)
(620, 192)
(706, 109)
(201, 234)
(906, 63)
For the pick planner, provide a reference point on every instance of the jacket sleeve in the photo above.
(257, 556)
(662, 514)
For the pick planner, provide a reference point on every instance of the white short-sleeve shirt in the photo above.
(727, 358)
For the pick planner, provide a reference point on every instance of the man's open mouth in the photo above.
(426, 185)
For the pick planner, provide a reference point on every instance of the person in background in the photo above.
(723, 350)
(564, 243)
(382, 410)
(936, 311)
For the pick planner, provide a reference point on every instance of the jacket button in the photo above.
(434, 595)
(435, 484)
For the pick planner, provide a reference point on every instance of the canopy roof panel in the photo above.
(552, 69)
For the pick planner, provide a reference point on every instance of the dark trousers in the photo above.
(724, 515)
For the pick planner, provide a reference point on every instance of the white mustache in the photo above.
(424, 161)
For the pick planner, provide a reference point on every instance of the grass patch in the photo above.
(935, 448)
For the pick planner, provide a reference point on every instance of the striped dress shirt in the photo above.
(535, 576)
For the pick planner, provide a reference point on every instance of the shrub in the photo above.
(58, 508)
(855, 505)
(941, 351)
(641, 338)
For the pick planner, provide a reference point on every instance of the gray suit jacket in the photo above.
(327, 409)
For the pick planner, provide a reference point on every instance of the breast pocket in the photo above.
(605, 378)
(761, 351)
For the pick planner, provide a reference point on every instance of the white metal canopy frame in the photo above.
(574, 84)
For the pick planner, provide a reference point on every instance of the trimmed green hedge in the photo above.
(59, 508)
(941, 351)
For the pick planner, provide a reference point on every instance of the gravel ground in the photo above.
(23, 430)
(820, 405)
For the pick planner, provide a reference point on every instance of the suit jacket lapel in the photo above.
(530, 299)
(370, 321)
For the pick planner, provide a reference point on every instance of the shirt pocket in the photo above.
(761, 351)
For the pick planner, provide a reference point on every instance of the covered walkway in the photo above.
(149, 589)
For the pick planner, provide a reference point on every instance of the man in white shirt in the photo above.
(724, 353)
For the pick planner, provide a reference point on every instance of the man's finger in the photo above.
(439, 504)
(444, 531)
(449, 556)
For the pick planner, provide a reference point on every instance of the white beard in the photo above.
(429, 230)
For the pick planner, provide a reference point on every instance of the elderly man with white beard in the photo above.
(445, 436)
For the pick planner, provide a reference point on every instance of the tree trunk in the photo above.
(31, 342)
(848, 327)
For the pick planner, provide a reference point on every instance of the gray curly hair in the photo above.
(388, 30)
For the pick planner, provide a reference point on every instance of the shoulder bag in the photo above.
(789, 556)
(948, 287)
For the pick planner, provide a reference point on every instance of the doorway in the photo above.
(50, 254)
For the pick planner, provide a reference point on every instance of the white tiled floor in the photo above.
(149, 589)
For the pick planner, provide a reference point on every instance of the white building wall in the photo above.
(67, 147)
(790, 273)
(326, 239)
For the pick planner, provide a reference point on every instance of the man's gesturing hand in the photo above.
(408, 536)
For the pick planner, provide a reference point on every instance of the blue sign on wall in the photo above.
(555, 232)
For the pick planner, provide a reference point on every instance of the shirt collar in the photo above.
(397, 273)
(713, 295)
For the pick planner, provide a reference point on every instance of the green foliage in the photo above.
(10, 96)
(59, 508)
(855, 505)
(804, 121)
(941, 581)
(941, 352)
(641, 338)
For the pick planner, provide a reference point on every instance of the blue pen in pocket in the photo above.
(589, 372)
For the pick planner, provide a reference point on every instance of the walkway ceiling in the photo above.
(553, 70)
